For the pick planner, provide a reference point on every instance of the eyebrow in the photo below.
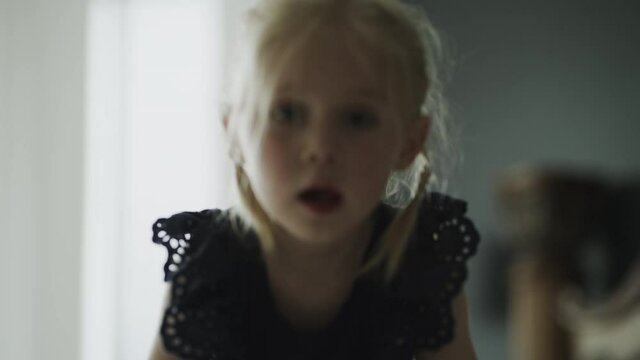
(369, 94)
(361, 93)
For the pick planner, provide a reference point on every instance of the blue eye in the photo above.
(361, 119)
(287, 113)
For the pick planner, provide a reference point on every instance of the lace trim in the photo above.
(421, 297)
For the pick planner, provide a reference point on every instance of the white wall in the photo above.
(41, 167)
(537, 82)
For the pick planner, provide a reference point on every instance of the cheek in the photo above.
(274, 160)
(378, 157)
(371, 169)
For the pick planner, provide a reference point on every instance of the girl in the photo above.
(335, 250)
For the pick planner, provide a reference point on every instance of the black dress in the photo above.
(221, 306)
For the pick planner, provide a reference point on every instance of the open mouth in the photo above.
(320, 199)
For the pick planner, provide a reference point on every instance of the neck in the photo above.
(309, 259)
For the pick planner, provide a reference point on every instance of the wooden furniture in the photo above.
(548, 214)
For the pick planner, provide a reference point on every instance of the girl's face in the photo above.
(332, 138)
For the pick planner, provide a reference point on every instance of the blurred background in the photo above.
(109, 119)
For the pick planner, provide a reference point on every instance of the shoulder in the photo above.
(204, 300)
(444, 238)
(442, 224)
(204, 243)
(187, 235)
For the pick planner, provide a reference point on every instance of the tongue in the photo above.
(321, 201)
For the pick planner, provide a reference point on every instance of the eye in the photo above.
(361, 119)
(287, 113)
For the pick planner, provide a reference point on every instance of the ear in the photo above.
(233, 147)
(415, 137)
(225, 121)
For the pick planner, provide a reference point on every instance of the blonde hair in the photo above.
(410, 47)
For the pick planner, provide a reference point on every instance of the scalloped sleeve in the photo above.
(448, 239)
(435, 270)
(196, 322)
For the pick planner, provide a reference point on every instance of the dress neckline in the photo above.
(382, 217)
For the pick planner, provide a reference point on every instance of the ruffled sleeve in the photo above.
(203, 307)
(433, 273)
(183, 235)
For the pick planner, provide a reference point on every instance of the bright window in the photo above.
(154, 148)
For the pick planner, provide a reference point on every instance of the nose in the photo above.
(319, 145)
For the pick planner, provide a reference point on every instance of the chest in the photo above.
(336, 322)
(311, 303)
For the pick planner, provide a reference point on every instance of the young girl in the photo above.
(335, 250)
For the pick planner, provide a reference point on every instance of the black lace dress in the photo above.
(221, 306)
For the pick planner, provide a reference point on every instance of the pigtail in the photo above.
(253, 211)
(394, 240)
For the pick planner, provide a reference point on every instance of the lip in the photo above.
(320, 184)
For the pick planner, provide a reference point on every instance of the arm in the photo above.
(461, 347)
(158, 352)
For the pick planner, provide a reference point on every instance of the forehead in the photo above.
(332, 61)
